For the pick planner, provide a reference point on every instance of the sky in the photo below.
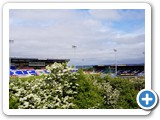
(52, 33)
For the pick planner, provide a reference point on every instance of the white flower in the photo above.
(21, 99)
(57, 104)
(26, 104)
(44, 107)
(17, 94)
(75, 92)
(77, 84)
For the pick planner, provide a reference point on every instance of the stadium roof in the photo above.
(37, 59)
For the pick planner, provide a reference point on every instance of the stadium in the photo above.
(35, 66)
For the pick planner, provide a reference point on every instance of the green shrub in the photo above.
(62, 89)
(128, 91)
(95, 94)
(89, 96)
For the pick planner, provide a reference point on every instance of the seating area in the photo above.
(31, 66)
(28, 72)
(130, 72)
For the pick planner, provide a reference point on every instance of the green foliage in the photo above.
(128, 89)
(93, 93)
(139, 83)
(13, 102)
(89, 96)
(62, 89)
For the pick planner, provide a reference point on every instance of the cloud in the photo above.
(105, 14)
(51, 34)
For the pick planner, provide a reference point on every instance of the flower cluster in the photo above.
(52, 91)
(110, 95)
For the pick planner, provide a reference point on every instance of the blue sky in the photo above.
(51, 34)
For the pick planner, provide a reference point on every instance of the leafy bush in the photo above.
(128, 89)
(89, 96)
(139, 83)
(63, 89)
(95, 94)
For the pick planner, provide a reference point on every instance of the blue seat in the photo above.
(12, 67)
(11, 73)
(19, 72)
(46, 71)
(25, 72)
(32, 72)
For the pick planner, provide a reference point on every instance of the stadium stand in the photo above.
(31, 66)
(122, 70)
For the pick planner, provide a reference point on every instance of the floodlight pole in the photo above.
(82, 63)
(143, 56)
(143, 53)
(115, 50)
(11, 41)
(144, 61)
(74, 50)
